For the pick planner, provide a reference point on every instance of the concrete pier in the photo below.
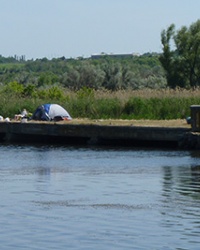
(97, 134)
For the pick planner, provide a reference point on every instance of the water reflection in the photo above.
(195, 174)
(181, 202)
(184, 180)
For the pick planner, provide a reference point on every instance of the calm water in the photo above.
(98, 198)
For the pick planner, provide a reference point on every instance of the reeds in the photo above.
(101, 104)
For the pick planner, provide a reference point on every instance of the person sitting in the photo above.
(23, 114)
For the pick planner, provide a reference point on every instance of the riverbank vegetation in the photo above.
(148, 86)
(102, 104)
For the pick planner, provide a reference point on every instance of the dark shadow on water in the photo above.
(91, 142)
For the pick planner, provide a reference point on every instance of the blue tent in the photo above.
(49, 112)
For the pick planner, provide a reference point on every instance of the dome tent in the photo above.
(49, 112)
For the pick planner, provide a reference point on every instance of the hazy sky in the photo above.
(71, 28)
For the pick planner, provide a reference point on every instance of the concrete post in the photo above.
(195, 118)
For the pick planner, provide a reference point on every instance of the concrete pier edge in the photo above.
(91, 134)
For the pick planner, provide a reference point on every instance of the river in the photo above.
(57, 197)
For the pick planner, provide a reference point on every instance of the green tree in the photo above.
(13, 88)
(166, 58)
(47, 78)
(83, 75)
(182, 65)
(187, 42)
(30, 91)
(112, 76)
(71, 79)
(90, 76)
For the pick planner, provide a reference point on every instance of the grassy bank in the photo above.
(86, 103)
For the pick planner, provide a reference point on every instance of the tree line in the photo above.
(177, 66)
(135, 72)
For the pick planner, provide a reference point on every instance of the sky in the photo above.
(81, 28)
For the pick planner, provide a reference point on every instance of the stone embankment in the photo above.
(103, 132)
(190, 140)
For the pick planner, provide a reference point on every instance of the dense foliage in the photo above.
(105, 72)
(182, 64)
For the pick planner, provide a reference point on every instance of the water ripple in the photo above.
(82, 198)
